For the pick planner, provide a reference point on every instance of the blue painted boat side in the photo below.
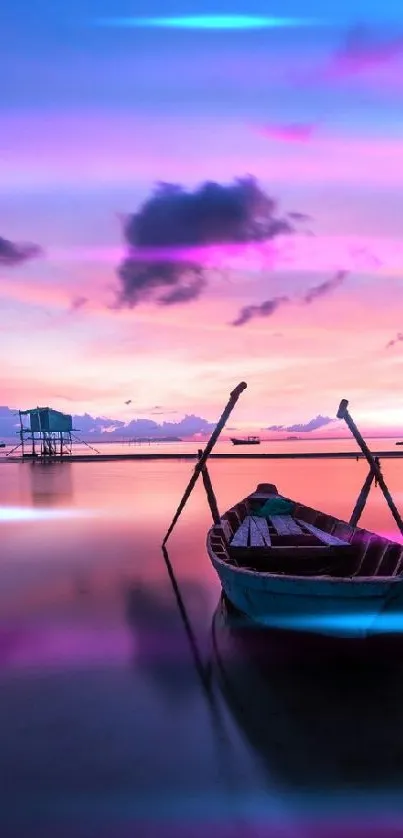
(343, 607)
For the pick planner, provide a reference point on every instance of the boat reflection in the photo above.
(321, 714)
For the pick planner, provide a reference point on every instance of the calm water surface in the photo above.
(105, 729)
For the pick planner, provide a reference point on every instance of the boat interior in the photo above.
(303, 542)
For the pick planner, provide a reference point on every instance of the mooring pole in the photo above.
(210, 445)
(343, 413)
(209, 491)
(361, 500)
(21, 434)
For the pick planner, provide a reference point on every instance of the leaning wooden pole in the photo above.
(212, 500)
(207, 451)
(343, 413)
(361, 500)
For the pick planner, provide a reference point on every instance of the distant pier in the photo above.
(310, 455)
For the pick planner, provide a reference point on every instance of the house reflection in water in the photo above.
(51, 484)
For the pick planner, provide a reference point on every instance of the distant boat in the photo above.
(2, 444)
(249, 440)
(399, 443)
(291, 567)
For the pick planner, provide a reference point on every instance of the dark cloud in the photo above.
(299, 216)
(187, 426)
(12, 254)
(324, 287)
(173, 221)
(263, 310)
(397, 339)
(364, 50)
(313, 424)
(102, 427)
(189, 290)
(268, 308)
(78, 302)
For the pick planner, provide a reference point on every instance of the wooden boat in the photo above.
(292, 567)
(307, 571)
(249, 440)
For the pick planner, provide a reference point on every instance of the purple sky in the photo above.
(91, 117)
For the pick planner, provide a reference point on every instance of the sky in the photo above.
(94, 111)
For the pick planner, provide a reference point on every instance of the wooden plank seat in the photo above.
(241, 535)
(253, 532)
(324, 537)
(285, 525)
(282, 544)
(259, 532)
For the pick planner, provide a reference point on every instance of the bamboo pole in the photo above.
(361, 500)
(209, 491)
(234, 396)
(343, 413)
(22, 435)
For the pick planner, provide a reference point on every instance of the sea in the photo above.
(106, 727)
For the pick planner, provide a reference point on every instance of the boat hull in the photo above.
(325, 606)
(245, 441)
(262, 576)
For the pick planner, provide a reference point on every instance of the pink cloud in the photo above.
(291, 253)
(296, 252)
(113, 149)
(365, 58)
(293, 132)
(363, 52)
